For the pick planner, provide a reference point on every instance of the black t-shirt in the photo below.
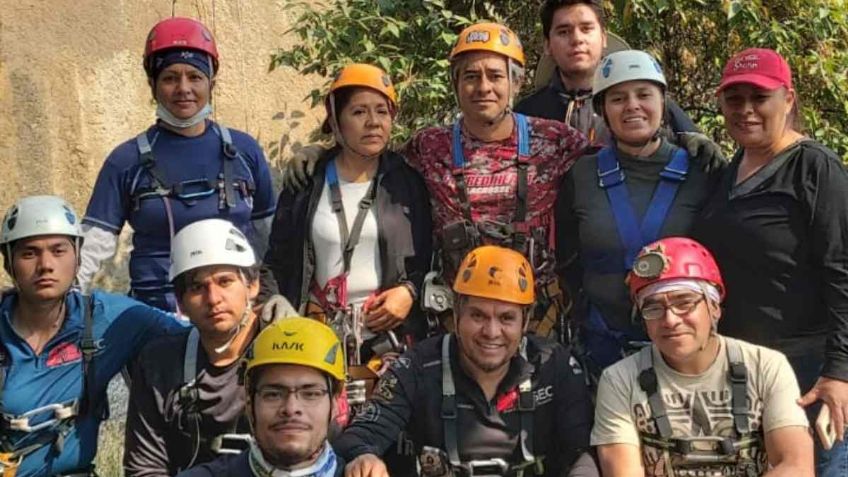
(780, 239)
(160, 434)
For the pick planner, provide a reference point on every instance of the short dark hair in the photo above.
(550, 7)
(181, 281)
(341, 98)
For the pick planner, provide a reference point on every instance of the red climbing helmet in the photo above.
(672, 258)
(179, 32)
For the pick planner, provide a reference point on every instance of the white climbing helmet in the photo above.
(623, 66)
(40, 215)
(209, 242)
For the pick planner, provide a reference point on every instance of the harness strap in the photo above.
(738, 375)
(526, 407)
(649, 383)
(449, 413)
(611, 178)
(519, 227)
(230, 153)
(188, 393)
(145, 151)
(349, 239)
(226, 183)
(4, 363)
(88, 347)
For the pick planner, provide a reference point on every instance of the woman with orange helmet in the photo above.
(184, 168)
(352, 247)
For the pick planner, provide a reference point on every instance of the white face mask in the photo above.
(163, 114)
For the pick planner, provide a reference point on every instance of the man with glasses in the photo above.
(695, 402)
(292, 374)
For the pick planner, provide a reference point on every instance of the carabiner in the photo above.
(60, 413)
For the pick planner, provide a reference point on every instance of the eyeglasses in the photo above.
(678, 306)
(278, 395)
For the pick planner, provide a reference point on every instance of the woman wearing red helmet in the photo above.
(777, 225)
(182, 169)
(695, 402)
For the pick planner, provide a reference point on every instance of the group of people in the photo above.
(574, 284)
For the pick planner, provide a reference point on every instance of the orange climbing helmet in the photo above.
(365, 76)
(179, 32)
(491, 37)
(497, 273)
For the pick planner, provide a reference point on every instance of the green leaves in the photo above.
(410, 39)
(694, 40)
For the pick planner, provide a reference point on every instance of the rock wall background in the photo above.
(72, 88)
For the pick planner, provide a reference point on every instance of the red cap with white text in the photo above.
(760, 67)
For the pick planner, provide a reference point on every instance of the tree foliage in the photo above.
(693, 39)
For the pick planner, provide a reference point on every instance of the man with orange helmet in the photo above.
(183, 169)
(486, 399)
(696, 403)
(493, 175)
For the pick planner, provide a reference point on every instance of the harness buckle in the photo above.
(486, 468)
(673, 174)
(606, 178)
(230, 443)
(449, 406)
(230, 150)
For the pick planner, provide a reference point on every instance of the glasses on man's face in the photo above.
(678, 305)
(279, 395)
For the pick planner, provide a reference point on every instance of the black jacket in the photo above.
(409, 397)
(551, 102)
(781, 240)
(404, 226)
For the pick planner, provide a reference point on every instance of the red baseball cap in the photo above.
(761, 67)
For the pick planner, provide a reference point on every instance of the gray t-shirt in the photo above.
(587, 232)
(160, 434)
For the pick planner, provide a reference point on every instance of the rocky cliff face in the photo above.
(72, 87)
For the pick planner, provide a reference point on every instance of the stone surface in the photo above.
(72, 88)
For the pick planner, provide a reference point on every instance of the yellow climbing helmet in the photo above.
(298, 340)
(492, 37)
(498, 273)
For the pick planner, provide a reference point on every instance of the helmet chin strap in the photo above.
(245, 316)
(167, 117)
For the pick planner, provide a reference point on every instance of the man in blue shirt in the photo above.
(58, 348)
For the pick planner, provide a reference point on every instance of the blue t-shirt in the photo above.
(121, 326)
(179, 159)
